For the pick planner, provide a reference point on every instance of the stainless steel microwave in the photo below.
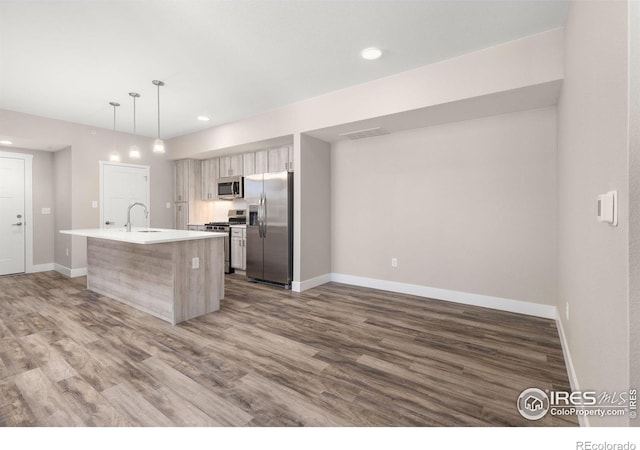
(230, 188)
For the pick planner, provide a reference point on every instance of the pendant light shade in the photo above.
(134, 151)
(115, 155)
(158, 145)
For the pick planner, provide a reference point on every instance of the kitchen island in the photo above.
(175, 275)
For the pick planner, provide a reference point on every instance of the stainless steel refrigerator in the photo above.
(269, 199)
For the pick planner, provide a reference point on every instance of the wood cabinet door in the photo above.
(262, 161)
(182, 216)
(181, 181)
(279, 159)
(236, 253)
(230, 166)
(209, 177)
(236, 165)
(249, 164)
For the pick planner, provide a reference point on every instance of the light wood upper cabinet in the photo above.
(230, 166)
(187, 192)
(281, 159)
(262, 161)
(181, 176)
(249, 164)
(187, 179)
(209, 178)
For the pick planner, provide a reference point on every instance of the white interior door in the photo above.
(12, 216)
(122, 185)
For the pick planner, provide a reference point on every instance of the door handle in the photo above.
(19, 224)
(109, 223)
(264, 216)
(260, 216)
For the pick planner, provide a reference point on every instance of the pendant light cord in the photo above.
(134, 116)
(158, 110)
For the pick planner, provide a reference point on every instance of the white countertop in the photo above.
(138, 236)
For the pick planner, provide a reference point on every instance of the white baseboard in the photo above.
(299, 286)
(71, 273)
(568, 362)
(486, 301)
(41, 268)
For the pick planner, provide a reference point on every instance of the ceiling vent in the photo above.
(367, 132)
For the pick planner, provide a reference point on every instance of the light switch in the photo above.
(168, 205)
(195, 262)
(94, 204)
(608, 208)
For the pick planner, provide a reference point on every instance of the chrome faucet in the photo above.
(146, 214)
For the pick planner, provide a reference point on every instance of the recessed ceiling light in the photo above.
(371, 53)
(6, 142)
(203, 118)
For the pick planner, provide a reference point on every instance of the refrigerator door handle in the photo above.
(264, 216)
(260, 216)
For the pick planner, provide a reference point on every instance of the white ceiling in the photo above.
(229, 59)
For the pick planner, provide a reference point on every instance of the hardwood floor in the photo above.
(336, 355)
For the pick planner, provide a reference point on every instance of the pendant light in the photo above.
(115, 155)
(158, 145)
(134, 150)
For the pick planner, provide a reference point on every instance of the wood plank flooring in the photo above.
(336, 355)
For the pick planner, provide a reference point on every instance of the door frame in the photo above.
(102, 164)
(28, 206)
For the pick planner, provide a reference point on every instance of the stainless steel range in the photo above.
(236, 216)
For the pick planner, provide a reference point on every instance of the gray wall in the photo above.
(90, 145)
(88, 150)
(634, 198)
(315, 217)
(62, 171)
(592, 159)
(467, 206)
(43, 188)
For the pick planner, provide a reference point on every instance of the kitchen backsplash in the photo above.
(216, 211)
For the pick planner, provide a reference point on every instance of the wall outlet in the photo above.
(195, 262)
(394, 262)
(66, 251)
(566, 312)
(46, 210)
(94, 204)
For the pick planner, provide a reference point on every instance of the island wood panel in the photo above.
(138, 275)
(197, 291)
(158, 278)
